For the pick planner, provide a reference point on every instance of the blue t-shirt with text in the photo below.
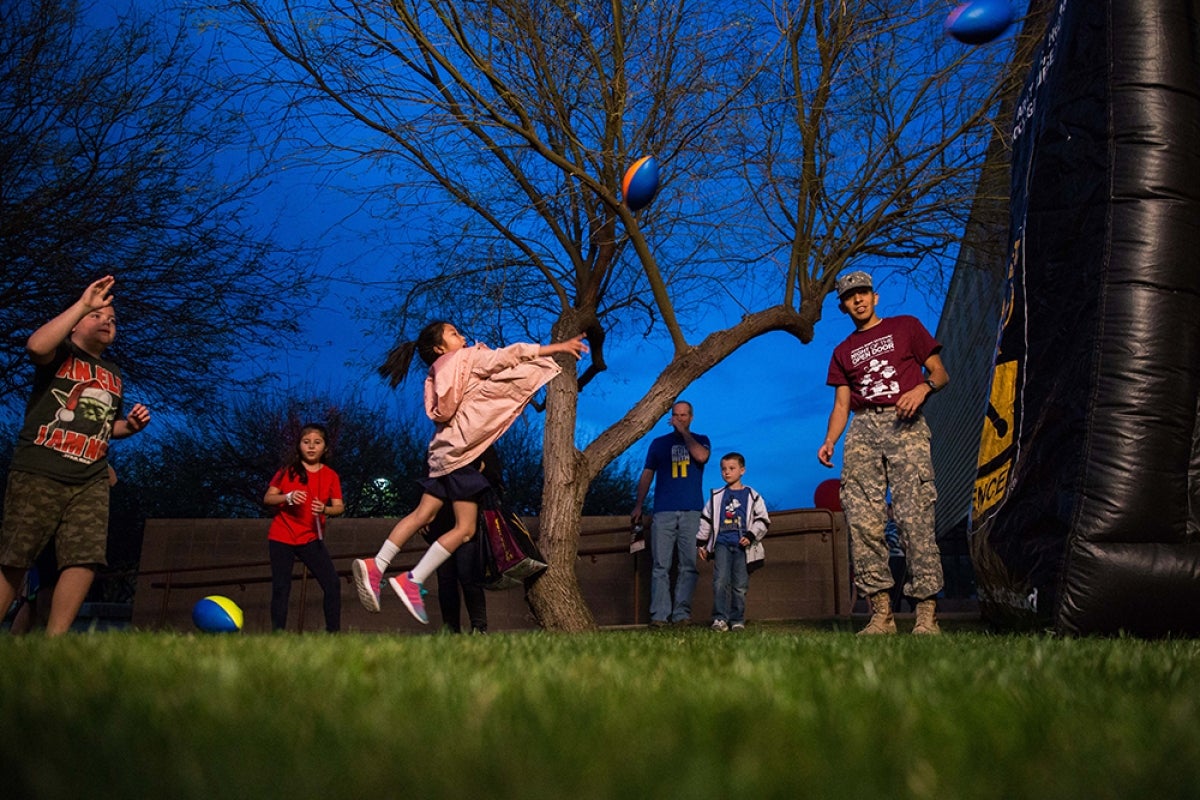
(678, 481)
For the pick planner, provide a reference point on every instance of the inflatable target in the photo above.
(1087, 496)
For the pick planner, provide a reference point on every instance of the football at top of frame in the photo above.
(979, 21)
(640, 183)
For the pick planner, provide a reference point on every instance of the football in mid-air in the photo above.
(979, 21)
(217, 614)
(640, 183)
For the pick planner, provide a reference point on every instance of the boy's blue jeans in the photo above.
(731, 579)
(673, 535)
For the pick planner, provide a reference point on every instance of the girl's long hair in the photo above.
(399, 358)
(295, 466)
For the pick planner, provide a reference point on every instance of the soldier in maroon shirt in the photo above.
(883, 373)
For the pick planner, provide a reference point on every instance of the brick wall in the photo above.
(806, 575)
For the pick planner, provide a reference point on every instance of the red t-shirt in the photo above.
(296, 524)
(883, 362)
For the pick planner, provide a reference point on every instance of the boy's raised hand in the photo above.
(99, 293)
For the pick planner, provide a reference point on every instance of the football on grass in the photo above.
(217, 614)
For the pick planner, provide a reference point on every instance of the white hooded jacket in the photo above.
(757, 522)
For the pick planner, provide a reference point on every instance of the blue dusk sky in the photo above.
(767, 401)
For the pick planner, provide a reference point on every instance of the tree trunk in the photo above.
(554, 597)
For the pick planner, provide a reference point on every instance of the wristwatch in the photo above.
(933, 387)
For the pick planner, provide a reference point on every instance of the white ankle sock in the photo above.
(384, 557)
(434, 557)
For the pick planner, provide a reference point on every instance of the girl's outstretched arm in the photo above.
(576, 347)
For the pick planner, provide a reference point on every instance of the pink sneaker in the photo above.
(411, 593)
(367, 578)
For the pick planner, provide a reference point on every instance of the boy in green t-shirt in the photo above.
(58, 481)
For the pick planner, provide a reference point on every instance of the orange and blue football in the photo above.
(640, 183)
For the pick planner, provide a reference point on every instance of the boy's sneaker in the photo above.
(720, 625)
(367, 578)
(410, 592)
(738, 626)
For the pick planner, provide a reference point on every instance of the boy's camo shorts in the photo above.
(37, 508)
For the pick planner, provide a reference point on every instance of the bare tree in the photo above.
(867, 143)
(118, 155)
(524, 475)
(796, 139)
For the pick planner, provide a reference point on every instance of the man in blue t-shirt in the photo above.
(675, 465)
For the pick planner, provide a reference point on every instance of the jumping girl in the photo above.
(306, 491)
(472, 394)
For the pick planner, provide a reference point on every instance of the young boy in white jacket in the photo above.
(732, 526)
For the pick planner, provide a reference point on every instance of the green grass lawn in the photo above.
(779, 711)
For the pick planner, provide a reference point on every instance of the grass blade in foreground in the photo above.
(775, 712)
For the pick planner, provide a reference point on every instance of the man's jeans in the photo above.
(673, 533)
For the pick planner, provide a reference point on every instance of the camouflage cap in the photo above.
(854, 280)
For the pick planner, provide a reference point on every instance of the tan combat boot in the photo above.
(926, 621)
(881, 616)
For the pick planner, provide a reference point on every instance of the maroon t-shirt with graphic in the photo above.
(883, 362)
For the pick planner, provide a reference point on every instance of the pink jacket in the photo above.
(474, 394)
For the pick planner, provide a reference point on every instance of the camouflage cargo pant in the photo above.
(881, 451)
(37, 508)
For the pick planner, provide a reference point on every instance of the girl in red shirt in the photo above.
(305, 492)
